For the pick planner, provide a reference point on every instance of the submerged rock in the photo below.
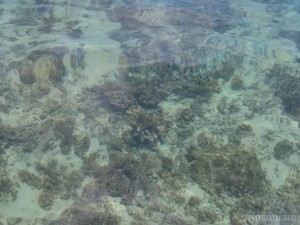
(27, 75)
(40, 66)
(49, 67)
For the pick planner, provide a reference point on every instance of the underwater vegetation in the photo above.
(283, 150)
(126, 115)
(7, 135)
(225, 169)
(8, 187)
(237, 83)
(287, 88)
(149, 143)
(127, 174)
(63, 128)
(133, 102)
(231, 171)
(53, 181)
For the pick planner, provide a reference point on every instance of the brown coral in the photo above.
(49, 67)
(27, 76)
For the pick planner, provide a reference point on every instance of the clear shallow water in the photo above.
(137, 112)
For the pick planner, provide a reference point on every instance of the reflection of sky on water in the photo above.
(152, 30)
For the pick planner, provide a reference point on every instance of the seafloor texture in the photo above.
(142, 113)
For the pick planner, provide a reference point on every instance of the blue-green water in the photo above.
(149, 112)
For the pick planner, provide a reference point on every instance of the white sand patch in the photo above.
(12, 119)
(26, 206)
(99, 64)
(95, 146)
(170, 109)
(168, 150)
(276, 171)
(193, 190)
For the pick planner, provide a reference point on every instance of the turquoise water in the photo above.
(149, 112)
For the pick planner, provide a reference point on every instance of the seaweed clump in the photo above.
(232, 173)
(91, 209)
(146, 90)
(8, 188)
(147, 129)
(126, 175)
(237, 83)
(283, 150)
(56, 182)
(287, 87)
(113, 96)
(30, 179)
(226, 170)
(82, 144)
(134, 178)
(155, 88)
(7, 137)
(282, 201)
(63, 128)
(136, 119)
(140, 129)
